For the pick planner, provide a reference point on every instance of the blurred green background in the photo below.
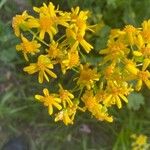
(20, 114)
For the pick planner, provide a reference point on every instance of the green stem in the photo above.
(75, 70)
(80, 93)
(60, 38)
(82, 56)
(35, 36)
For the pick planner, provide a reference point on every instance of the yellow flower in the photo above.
(116, 34)
(72, 33)
(139, 75)
(109, 71)
(146, 63)
(18, 21)
(140, 142)
(63, 18)
(54, 51)
(113, 72)
(67, 115)
(146, 24)
(27, 46)
(45, 24)
(146, 31)
(49, 100)
(86, 46)
(79, 18)
(64, 116)
(137, 53)
(115, 51)
(46, 21)
(130, 66)
(87, 76)
(47, 10)
(75, 12)
(145, 50)
(101, 93)
(65, 96)
(97, 110)
(117, 92)
(142, 76)
(58, 17)
(71, 61)
(131, 32)
(139, 41)
(42, 66)
(49, 18)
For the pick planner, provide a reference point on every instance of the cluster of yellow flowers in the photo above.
(57, 38)
(140, 142)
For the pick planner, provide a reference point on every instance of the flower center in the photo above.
(143, 75)
(146, 51)
(45, 23)
(74, 59)
(146, 34)
(48, 100)
(41, 66)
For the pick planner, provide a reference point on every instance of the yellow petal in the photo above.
(46, 77)
(75, 45)
(18, 47)
(31, 69)
(69, 102)
(138, 85)
(67, 120)
(50, 34)
(132, 69)
(51, 73)
(58, 100)
(39, 97)
(59, 107)
(103, 51)
(87, 47)
(36, 9)
(50, 109)
(59, 116)
(118, 102)
(40, 77)
(146, 63)
(25, 56)
(50, 66)
(124, 98)
(107, 100)
(46, 92)
(140, 41)
(71, 95)
(32, 23)
(42, 33)
(137, 53)
(109, 119)
(147, 82)
(70, 33)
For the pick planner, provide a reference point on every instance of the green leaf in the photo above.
(111, 3)
(101, 40)
(7, 55)
(2, 3)
(18, 109)
(135, 100)
(8, 96)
